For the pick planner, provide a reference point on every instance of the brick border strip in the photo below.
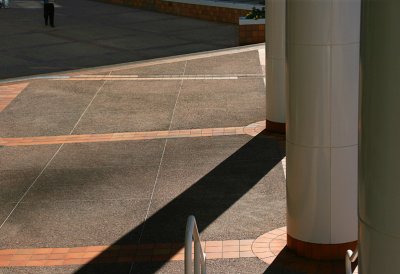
(252, 129)
(269, 245)
(120, 253)
(9, 92)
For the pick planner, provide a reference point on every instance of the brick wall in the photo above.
(251, 34)
(210, 13)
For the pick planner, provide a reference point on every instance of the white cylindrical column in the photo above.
(323, 74)
(275, 64)
(379, 172)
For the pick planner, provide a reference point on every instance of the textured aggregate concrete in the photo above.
(19, 166)
(100, 193)
(47, 108)
(176, 68)
(227, 266)
(131, 106)
(72, 223)
(211, 103)
(240, 63)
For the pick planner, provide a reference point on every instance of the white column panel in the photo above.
(309, 193)
(344, 96)
(379, 175)
(275, 70)
(378, 252)
(346, 21)
(343, 194)
(275, 29)
(323, 74)
(275, 60)
(309, 22)
(309, 110)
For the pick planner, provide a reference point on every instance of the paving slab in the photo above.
(219, 199)
(131, 106)
(232, 217)
(100, 171)
(14, 183)
(23, 125)
(48, 97)
(226, 151)
(94, 184)
(175, 68)
(26, 158)
(212, 103)
(5, 209)
(239, 266)
(238, 63)
(30, 40)
(51, 108)
(72, 223)
(172, 182)
(109, 155)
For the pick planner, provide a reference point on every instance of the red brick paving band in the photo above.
(9, 92)
(252, 129)
(120, 253)
(266, 247)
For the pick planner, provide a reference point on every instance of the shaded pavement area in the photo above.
(90, 33)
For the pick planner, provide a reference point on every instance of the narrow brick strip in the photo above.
(9, 92)
(120, 253)
(252, 130)
(269, 245)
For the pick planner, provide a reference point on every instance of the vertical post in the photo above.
(275, 65)
(322, 50)
(379, 172)
(188, 245)
(197, 258)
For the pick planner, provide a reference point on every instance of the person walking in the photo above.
(5, 4)
(48, 9)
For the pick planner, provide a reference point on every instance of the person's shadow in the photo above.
(207, 199)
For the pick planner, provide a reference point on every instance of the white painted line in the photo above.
(145, 78)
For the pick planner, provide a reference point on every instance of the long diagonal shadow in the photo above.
(207, 199)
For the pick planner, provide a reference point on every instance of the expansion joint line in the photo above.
(49, 162)
(161, 161)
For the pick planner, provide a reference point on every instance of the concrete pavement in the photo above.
(186, 125)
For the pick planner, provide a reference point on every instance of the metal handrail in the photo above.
(192, 234)
(351, 257)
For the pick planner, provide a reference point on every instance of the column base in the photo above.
(319, 251)
(275, 127)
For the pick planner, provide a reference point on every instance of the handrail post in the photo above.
(350, 258)
(197, 254)
(192, 235)
(203, 265)
(188, 245)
